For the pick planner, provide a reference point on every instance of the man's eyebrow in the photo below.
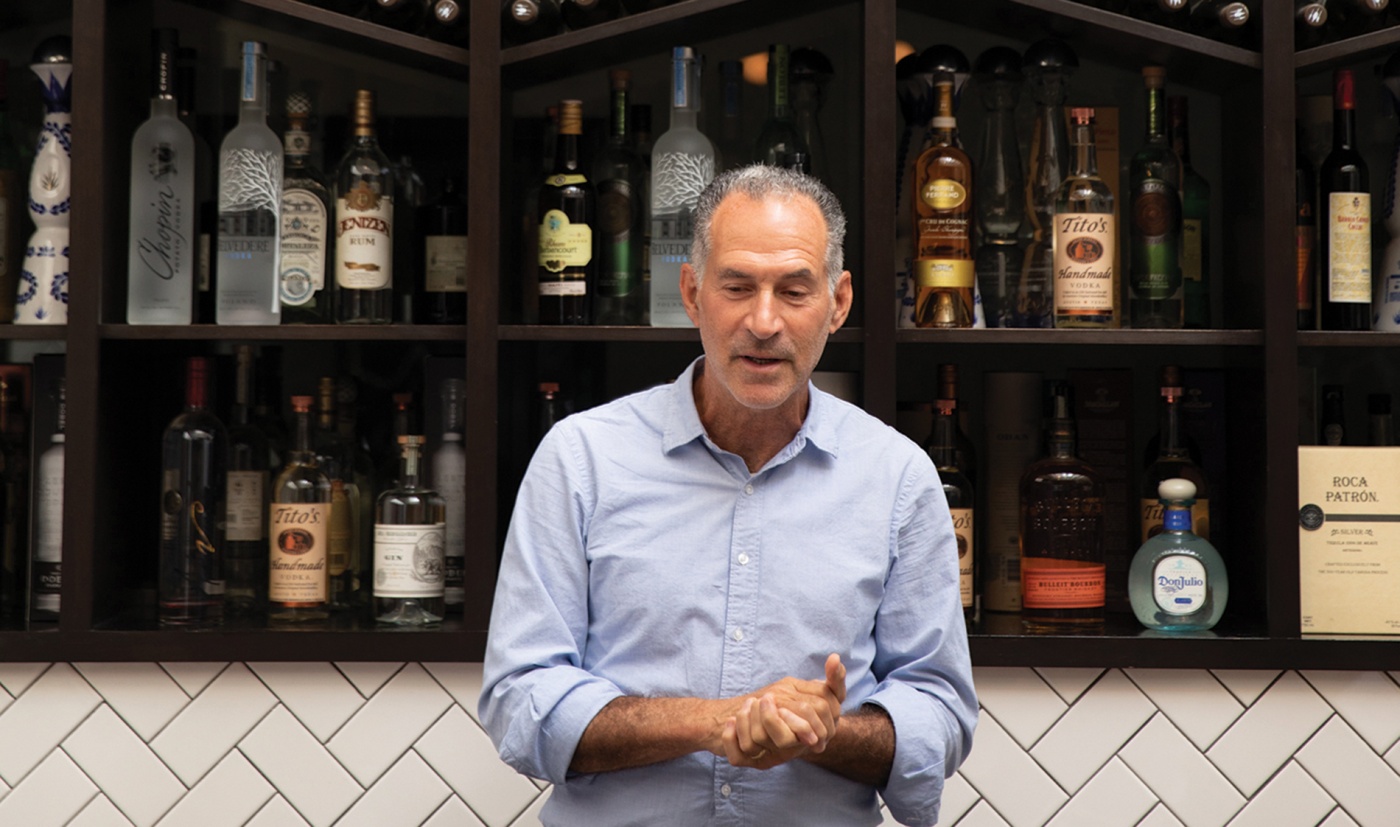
(800, 274)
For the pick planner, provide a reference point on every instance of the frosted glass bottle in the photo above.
(250, 206)
(1177, 580)
(449, 467)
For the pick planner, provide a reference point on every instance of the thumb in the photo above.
(836, 676)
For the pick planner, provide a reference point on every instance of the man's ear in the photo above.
(690, 293)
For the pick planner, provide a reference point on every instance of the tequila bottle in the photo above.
(409, 543)
(998, 184)
(364, 218)
(1177, 581)
(306, 223)
(1155, 205)
(1086, 237)
(298, 528)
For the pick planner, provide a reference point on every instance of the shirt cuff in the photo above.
(921, 732)
(561, 709)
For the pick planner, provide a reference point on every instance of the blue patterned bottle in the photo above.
(1177, 581)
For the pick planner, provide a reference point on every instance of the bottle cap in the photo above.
(1155, 77)
(571, 117)
(301, 404)
(1081, 115)
(1344, 89)
(363, 115)
(1176, 490)
(414, 440)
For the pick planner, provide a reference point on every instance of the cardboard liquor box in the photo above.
(1013, 441)
(1349, 540)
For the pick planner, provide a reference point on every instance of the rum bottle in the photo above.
(621, 178)
(443, 225)
(1173, 460)
(778, 140)
(1195, 218)
(1048, 66)
(999, 184)
(1177, 580)
(409, 546)
(298, 526)
(364, 224)
(957, 488)
(944, 272)
(568, 268)
(245, 535)
(450, 480)
(1085, 238)
(306, 224)
(1346, 218)
(1155, 233)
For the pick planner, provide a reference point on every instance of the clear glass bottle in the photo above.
(778, 139)
(1173, 460)
(810, 70)
(944, 273)
(14, 497)
(194, 462)
(1195, 217)
(683, 164)
(443, 226)
(1177, 581)
(568, 216)
(306, 224)
(245, 534)
(364, 217)
(998, 185)
(46, 557)
(1085, 237)
(161, 253)
(621, 179)
(1047, 65)
(450, 480)
(1154, 236)
(409, 544)
(942, 448)
(250, 201)
(298, 527)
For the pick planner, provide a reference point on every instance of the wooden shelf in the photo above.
(607, 333)
(286, 333)
(1103, 338)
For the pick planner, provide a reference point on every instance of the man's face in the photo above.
(763, 308)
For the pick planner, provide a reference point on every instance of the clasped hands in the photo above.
(785, 719)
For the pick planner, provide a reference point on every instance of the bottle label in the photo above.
(48, 506)
(297, 563)
(445, 263)
(1154, 518)
(943, 194)
(364, 239)
(303, 248)
(341, 535)
(245, 505)
(677, 179)
(48, 586)
(1156, 210)
(408, 560)
(568, 287)
(296, 143)
(1192, 263)
(162, 247)
(944, 273)
(1085, 244)
(962, 527)
(1179, 584)
(1349, 247)
(565, 180)
(1080, 586)
(563, 244)
(1307, 234)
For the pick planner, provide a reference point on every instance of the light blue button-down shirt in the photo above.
(644, 560)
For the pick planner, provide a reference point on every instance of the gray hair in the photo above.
(759, 182)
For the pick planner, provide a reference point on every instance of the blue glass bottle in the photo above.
(1177, 581)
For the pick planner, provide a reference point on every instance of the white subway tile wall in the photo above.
(321, 744)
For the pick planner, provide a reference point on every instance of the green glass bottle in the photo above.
(1154, 239)
(1195, 218)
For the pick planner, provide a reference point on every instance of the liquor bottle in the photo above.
(14, 497)
(13, 201)
(1334, 420)
(306, 216)
(683, 164)
(1346, 218)
(405, 15)
(778, 139)
(1085, 237)
(1309, 23)
(1048, 66)
(1162, 12)
(245, 537)
(409, 544)
(361, 487)
(944, 272)
(206, 211)
(1385, 305)
(449, 21)
(1223, 20)
(46, 557)
(1381, 426)
(298, 527)
(250, 198)
(621, 178)
(524, 21)
(550, 409)
(942, 448)
(580, 14)
(194, 451)
(449, 467)
(1173, 460)
(731, 150)
(364, 228)
(1177, 580)
(336, 459)
(403, 420)
(1195, 218)
(998, 185)
(1154, 237)
(41, 296)
(568, 268)
(443, 224)
(810, 71)
(1062, 531)
(1305, 224)
(410, 194)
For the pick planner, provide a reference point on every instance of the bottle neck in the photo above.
(566, 154)
(779, 102)
(685, 94)
(1155, 105)
(252, 104)
(1343, 128)
(944, 124)
(620, 114)
(1059, 441)
(1176, 516)
(1086, 154)
(1169, 422)
(301, 441)
(161, 107)
(943, 446)
(408, 467)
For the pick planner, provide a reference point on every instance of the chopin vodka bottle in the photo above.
(1155, 205)
(1085, 237)
(250, 201)
(245, 535)
(364, 225)
(409, 543)
(683, 164)
(998, 184)
(194, 463)
(1177, 580)
(161, 252)
(306, 219)
(298, 527)
(1047, 65)
(450, 479)
(46, 559)
(621, 179)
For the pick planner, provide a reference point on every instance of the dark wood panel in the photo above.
(286, 333)
(452, 643)
(606, 333)
(1102, 338)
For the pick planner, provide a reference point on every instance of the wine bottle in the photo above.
(245, 535)
(998, 187)
(1223, 20)
(443, 225)
(1154, 236)
(1173, 460)
(1085, 237)
(405, 15)
(194, 451)
(1195, 219)
(250, 198)
(14, 497)
(524, 21)
(160, 262)
(579, 14)
(298, 527)
(1048, 65)
(306, 216)
(567, 213)
(449, 467)
(778, 139)
(1305, 224)
(449, 21)
(944, 272)
(409, 543)
(46, 556)
(621, 178)
(1346, 218)
(206, 217)
(364, 232)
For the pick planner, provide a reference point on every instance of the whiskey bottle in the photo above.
(778, 139)
(1177, 580)
(194, 451)
(568, 268)
(306, 217)
(1305, 231)
(443, 225)
(409, 544)
(160, 262)
(364, 231)
(1173, 460)
(1085, 237)
(1048, 66)
(523, 21)
(621, 178)
(1154, 235)
(245, 535)
(46, 556)
(298, 526)
(449, 468)
(250, 200)
(942, 448)
(14, 497)
(1195, 218)
(999, 184)
(1062, 531)
(1346, 218)
(944, 272)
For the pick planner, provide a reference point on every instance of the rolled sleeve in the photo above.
(928, 747)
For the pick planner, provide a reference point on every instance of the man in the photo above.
(733, 599)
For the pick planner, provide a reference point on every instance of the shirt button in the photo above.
(748, 489)
(738, 633)
(743, 558)
(725, 790)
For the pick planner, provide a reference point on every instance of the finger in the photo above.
(836, 676)
(745, 722)
(775, 729)
(729, 737)
(811, 733)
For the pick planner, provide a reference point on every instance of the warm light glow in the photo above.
(756, 69)
(903, 50)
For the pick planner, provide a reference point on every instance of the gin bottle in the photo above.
(1154, 274)
(1177, 581)
(999, 183)
(410, 528)
(306, 224)
(364, 225)
(1086, 236)
(683, 164)
(250, 201)
(161, 252)
(298, 528)
(450, 479)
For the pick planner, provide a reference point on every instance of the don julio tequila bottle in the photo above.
(298, 530)
(1177, 580)
(1085, 237)
(409, 543)
(364, 231)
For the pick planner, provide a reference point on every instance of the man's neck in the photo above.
(755, 435)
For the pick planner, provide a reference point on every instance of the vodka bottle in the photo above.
(450, 480)
(306, 224)
(46, 562)
(683, 164)
(1085, 237)
(409, 543)
(364, 218)
(160, 270)
(298, 529)
(250, 201)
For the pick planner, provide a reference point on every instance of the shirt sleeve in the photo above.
(536, 697)
(922, 661)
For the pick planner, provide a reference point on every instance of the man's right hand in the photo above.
(785, 719)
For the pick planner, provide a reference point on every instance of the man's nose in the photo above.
(765, 318)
